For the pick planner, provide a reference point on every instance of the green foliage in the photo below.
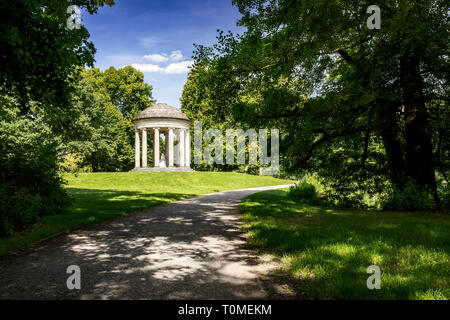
(352, 200)
(440, 119)
(253, 169)
(102, 130)
(201, 102)
(73, 163)
(39, 66)
(358, 107)
(39, 54)
(305, 193)
(18, 208)
(125, 87)
(302, 190)
(445, 198)
(410, 198)
(30, 187)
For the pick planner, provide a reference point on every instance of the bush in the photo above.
(253, 169)
(305, 193)
(349, 201)
(410, 198)
(29, 190)
(73, 163)
(445, 197)
(30, 187)
(17, 207)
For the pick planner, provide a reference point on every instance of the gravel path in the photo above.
(189, 249)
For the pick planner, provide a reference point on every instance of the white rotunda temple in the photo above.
(157, 120)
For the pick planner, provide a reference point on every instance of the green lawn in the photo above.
(325, 252)
(103, 196)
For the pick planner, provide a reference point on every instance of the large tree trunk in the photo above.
(419, 152)
(390, 133)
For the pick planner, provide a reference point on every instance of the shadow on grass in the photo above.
(327, 251)
(111, 202)
(90, 206)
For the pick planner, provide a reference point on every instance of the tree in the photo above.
(127, 90)
(98, 132)
(39, 60)
(106, 103)
(30, 186)
(201, 103)
(369, 86)
(39, 54)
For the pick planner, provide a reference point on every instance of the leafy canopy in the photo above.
(356, 105)
(39, 54)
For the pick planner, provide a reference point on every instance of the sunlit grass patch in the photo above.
(326, 251)
(103, 196)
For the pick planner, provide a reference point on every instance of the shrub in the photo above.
(73, 163)
(305, 193)
(253, 169)
(17, 207)
(30, 187)
(352, 200)
(410, 198)
(445, 197)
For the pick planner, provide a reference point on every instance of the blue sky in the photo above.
(157, 37)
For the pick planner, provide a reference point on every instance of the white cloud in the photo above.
(148, 67)
(155, 67)
(176, 55)
(157, 58)
(179, 67)
(173, 68)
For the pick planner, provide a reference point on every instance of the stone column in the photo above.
(187, 148)
(156, 148)
(137, 153)
(170, 148)
(177, 148)
(166, 153)
(182, 141)
(144, 148)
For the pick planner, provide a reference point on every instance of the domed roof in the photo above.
(161, 110)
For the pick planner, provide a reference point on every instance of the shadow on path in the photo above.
(189, 249)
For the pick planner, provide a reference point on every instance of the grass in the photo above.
(104, 196)
(325, 252)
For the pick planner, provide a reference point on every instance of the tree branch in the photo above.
(328, 137)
